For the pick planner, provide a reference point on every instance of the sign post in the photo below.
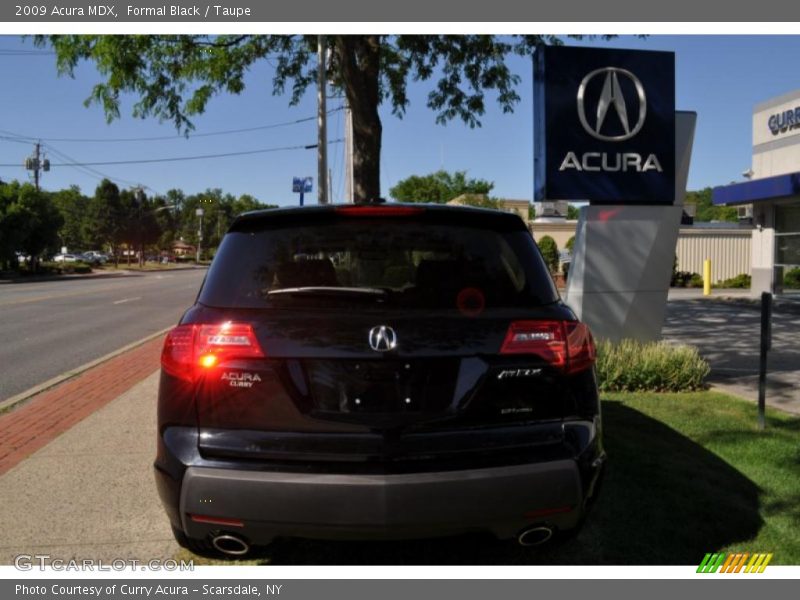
(301, 185)
(607, 132)
(766, 345)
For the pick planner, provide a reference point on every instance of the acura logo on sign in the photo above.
(610, 97)
(382, 338)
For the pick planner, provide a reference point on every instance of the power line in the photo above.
(183, 158)
(170, 137)
(99, 175)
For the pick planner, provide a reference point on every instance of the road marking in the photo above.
(127, 300)
(144, 280)
(37, 389)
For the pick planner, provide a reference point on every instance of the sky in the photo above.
(721, 77)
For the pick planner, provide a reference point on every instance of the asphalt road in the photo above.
(727, 335)
(47, 328)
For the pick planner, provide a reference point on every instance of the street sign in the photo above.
(302, 185)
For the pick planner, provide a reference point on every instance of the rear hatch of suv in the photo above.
(380, 334)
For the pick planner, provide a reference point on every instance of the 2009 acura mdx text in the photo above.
(376, 371)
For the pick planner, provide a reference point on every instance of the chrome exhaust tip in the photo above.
(534, 536)
(230, 545)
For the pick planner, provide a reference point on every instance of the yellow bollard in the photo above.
(707, 277)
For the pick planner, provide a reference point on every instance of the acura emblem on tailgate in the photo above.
(382, 338)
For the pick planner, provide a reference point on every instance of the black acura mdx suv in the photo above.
(376, 371)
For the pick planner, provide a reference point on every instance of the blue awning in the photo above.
(757, 190)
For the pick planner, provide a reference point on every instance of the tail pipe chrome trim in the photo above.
(533, 536)
(230, 544)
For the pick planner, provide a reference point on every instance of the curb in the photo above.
(9, 403)
(96, 275)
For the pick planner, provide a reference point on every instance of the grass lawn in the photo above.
(688, 474)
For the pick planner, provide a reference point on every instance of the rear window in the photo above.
(399, 262)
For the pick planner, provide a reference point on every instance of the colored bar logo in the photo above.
(740, 562)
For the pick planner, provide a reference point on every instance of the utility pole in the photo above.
(199, 213)
(322, 125)
(348, 153)
(140, 204)
(36, 164)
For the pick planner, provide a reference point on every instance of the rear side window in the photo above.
(402, 263)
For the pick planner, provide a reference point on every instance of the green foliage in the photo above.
(439, 187)
(632, 366)
(29, 223)
(65, 268)
(549, 249)
(686, 279)
(706, 211)
(175, 76)
(72, 205)
(741, 281)
(791, 280)
(572, 212)
(531, 211)
(570, 243)
(39, 223)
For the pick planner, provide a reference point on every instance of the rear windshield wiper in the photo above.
(328, 291)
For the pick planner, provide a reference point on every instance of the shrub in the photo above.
(791, 279)
(740, 281)
(632, 366)
(686, 279)
(59, 268)
(549, 250)
(695, 281)
(570, 244)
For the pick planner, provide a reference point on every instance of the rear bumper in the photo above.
(502, 500)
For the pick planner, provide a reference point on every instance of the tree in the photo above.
(572, 212)
(549, 250)
(72, 205)
(570, 243)
(13, 225)
(706, 211)
(107, 218)
(439, 187)
(42, 220)
(174, 76)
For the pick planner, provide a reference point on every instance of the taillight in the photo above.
(368, 210)
(191, 349)
(566, 345)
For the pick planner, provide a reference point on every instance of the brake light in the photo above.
(566, 345)
(366, 210)
(191, 349)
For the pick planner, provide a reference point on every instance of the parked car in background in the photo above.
(96, 257)
(377, 371)
(66, 258)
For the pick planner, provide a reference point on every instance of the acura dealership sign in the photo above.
(605, 125)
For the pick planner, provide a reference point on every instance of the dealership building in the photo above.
(771, 196)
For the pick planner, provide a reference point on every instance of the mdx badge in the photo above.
(382, 338)
(514, 373)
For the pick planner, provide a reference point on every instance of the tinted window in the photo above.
(397, 262)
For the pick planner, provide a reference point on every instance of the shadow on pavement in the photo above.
(665, 500)
(727, 334)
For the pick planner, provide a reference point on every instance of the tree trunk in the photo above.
(360, 70)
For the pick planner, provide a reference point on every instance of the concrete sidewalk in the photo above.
(90, 493)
